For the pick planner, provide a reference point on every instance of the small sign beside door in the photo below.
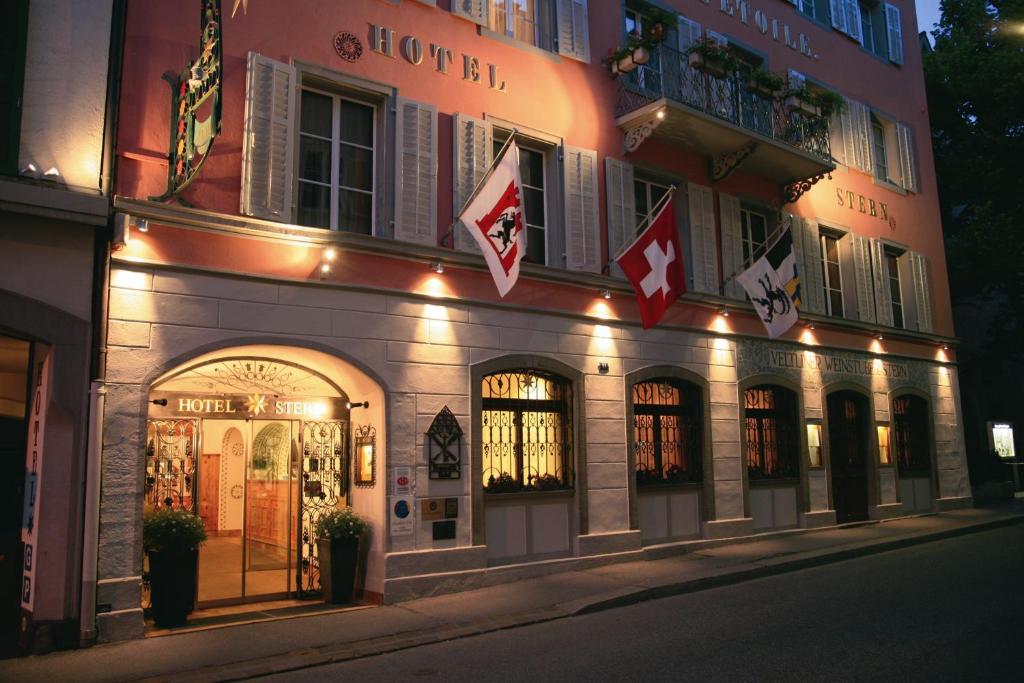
(402, 516)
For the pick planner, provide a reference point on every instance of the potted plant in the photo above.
(711, 57)
(338, 533)
(546, 482)
(628, 57)
(503, 483)
(171, 539)
(765, 83)
(658, 22)
(829, 103)
(801, 101)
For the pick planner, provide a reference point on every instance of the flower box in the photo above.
(709, 65)
(801, 106)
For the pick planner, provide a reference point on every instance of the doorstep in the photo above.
(251, 613)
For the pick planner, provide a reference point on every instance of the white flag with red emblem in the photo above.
(494, 217)
(654, 265)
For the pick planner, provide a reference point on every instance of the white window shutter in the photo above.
(689, 33)
(838, 13)
(835, 138)
(880, 276)
(849, 135)
(703, 245)
(894, 32)
(862, 271)
(853, 20)
(416, 172)
(582, 216)
(472, 148)
(860, 118)
(732, 244)
(812, 283)
(477, 11)
(618, 180)
(906, 143)
(922, 291)
(268, 164)
(573, 29)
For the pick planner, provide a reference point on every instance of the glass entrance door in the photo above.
(268, 510)
(247, 502)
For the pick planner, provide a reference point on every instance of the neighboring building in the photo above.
(54, 207)
(286, 337)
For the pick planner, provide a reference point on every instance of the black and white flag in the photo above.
(773, 285)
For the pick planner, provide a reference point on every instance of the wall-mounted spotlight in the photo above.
(437, 267)
(605, 293)
(879, 337)
(660, 114)
(724, 312)
(350, 405)
(159, 401)
(810, 325)
(330, 253)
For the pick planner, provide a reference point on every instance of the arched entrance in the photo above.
(258, 447)
(848, 454)
(912, 451)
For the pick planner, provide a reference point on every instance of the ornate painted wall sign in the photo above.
(195, 92)
(444, 446)
(348, 46)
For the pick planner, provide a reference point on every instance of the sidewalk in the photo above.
(260, 648)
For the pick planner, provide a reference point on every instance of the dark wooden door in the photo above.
(848, 454)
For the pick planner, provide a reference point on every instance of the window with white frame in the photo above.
(336, 162)
(878, 150)
(832, 276)
(533, 173)
(647, 194)
(893, 282)
(528, 21)
(754, 233)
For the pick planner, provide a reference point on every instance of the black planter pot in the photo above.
(338, 558)
(172, 583)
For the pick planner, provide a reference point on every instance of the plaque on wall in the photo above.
(444, 446)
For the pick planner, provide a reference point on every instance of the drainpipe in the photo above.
(98, 364)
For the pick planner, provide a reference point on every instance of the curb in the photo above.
(342, 652)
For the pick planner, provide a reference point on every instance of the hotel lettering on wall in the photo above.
(244, 406)
(865, 205)
(798, 360)
(383, 41)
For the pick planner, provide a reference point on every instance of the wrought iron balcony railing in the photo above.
(669, 75)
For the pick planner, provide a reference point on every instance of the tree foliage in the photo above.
(975, 84)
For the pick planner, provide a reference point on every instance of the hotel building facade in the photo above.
(298, 322)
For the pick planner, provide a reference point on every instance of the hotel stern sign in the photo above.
(174, 404)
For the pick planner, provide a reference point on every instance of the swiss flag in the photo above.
(494, 217)
(654, 265)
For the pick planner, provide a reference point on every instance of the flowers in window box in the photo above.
(503, 483)
(658, 20)
(635, 52)
(764, 83)
(801, 101)
(829, 102)
(546, 482)
(711, 57)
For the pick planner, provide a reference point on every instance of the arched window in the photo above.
(526, 431)
(668, 431)
(910, 427)
(771, 431)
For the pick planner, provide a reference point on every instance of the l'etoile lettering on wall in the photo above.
(382, 41)
(780, 32)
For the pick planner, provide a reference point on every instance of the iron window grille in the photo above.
(667, 432)
(526, 431)
(771, 430)
(910, 435)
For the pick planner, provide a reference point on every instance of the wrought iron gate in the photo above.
(172, 450)
(324, 464)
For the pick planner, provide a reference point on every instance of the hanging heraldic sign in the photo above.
(444, 446)
(195, 93)
(245, 406)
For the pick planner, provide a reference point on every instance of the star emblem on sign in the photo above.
(256, 404)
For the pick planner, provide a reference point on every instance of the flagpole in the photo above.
(658, 205)
(480, 184)
(775, 237)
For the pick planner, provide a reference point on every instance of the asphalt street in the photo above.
(947, 610)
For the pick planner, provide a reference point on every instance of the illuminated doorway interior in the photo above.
(258, 449)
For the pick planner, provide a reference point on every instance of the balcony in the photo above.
(671, 102)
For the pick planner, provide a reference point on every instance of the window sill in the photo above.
(508, 40)
(529, 495)
(888, 185)
(652, 487)
(769, 483)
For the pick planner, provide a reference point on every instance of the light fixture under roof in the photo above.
(724, 312)
(606, 293)
(437, 267)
